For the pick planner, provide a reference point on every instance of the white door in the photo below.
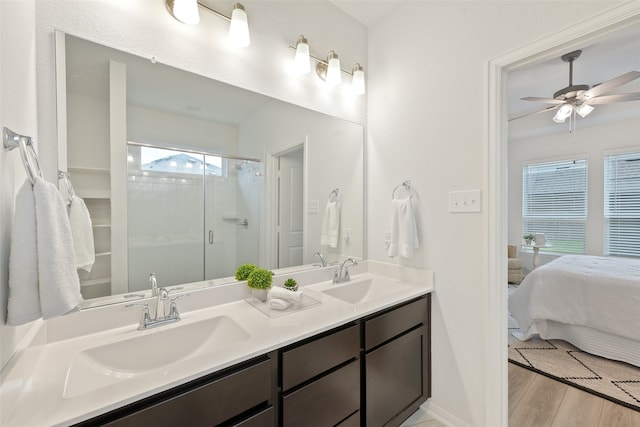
(290, 208)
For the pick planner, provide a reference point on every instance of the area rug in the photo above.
(557, 359)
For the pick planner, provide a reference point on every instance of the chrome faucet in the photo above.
(342, 275)
(322, 261)
(160, 310)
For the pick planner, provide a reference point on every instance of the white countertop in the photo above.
(35, 390)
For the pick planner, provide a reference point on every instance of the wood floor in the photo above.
(538, 401)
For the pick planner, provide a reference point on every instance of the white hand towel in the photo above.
(24, 299)
(404, 232)
(330, 225)
(279, 304)
(58, 279)
(281, 293)
(82, 232)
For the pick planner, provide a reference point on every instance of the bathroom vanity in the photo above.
(360, 357)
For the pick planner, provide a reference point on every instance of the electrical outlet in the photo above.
(465, 201)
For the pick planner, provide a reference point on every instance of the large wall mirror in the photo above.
(187, 177)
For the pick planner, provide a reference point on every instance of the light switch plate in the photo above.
(465, 201)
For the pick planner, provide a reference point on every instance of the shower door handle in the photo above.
(211, 237)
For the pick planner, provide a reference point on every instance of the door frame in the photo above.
(271, 236)
(496, 149)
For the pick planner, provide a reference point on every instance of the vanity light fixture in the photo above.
(331, 70)
(186, 11)
(357, 81)
(328, 70)
(239, 27)
(302, 60)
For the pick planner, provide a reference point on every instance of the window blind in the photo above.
(554, 202)
(622, 204)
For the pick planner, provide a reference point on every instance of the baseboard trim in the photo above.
(442, 415)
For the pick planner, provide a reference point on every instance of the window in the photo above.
(554, 202)
(622, 204)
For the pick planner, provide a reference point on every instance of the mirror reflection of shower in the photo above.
(210, 207)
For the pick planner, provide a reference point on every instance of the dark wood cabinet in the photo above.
(396, 363)
(371, 372)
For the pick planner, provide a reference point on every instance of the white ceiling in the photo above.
(600, 61)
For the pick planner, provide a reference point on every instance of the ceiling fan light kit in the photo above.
(578, 98)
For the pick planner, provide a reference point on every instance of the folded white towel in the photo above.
(404, 232)
(58, 279)
(279, 304)
(282, 293)
(24, 299)
(330, 225)
(82, 232)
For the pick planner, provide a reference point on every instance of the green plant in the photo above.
(290, 283)
(260, 278)
(242, 273)
(529, 237)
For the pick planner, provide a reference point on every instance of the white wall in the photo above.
(18, 112)
(590, 141)
(428, 105)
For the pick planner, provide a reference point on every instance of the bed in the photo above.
(592, 302)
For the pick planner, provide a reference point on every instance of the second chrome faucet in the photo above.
(342, 274)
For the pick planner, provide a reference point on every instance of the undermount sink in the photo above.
(107, 364)
(358, 291)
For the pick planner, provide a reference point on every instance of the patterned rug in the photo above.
(557, 359)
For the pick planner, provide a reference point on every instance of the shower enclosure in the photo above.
(191, 216)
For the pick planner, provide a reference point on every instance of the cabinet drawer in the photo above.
(382, 328)
(324, 402)
(208, 404)
(302, 363)
(265, 418)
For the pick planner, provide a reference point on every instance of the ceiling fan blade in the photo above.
(611, 84)
(545, 100)
(619, 97)
(553, 107)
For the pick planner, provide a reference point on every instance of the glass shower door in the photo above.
(165, 216)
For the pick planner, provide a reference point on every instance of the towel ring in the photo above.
(406, 185)
(27, 152)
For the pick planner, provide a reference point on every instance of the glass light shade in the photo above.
(563, 113)
(333, 69)
(302, 60)
(239, 27)
(584, 110)
(186, 11)
(357, 83)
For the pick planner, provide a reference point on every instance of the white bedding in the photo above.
(598, 293)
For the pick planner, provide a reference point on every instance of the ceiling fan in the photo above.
(581, 98)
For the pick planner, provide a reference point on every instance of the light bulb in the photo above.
(584, 110)
(563, 113)
(186, 11)
(301, 62)
(333, 69)
(239, 27)
(357, 83)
